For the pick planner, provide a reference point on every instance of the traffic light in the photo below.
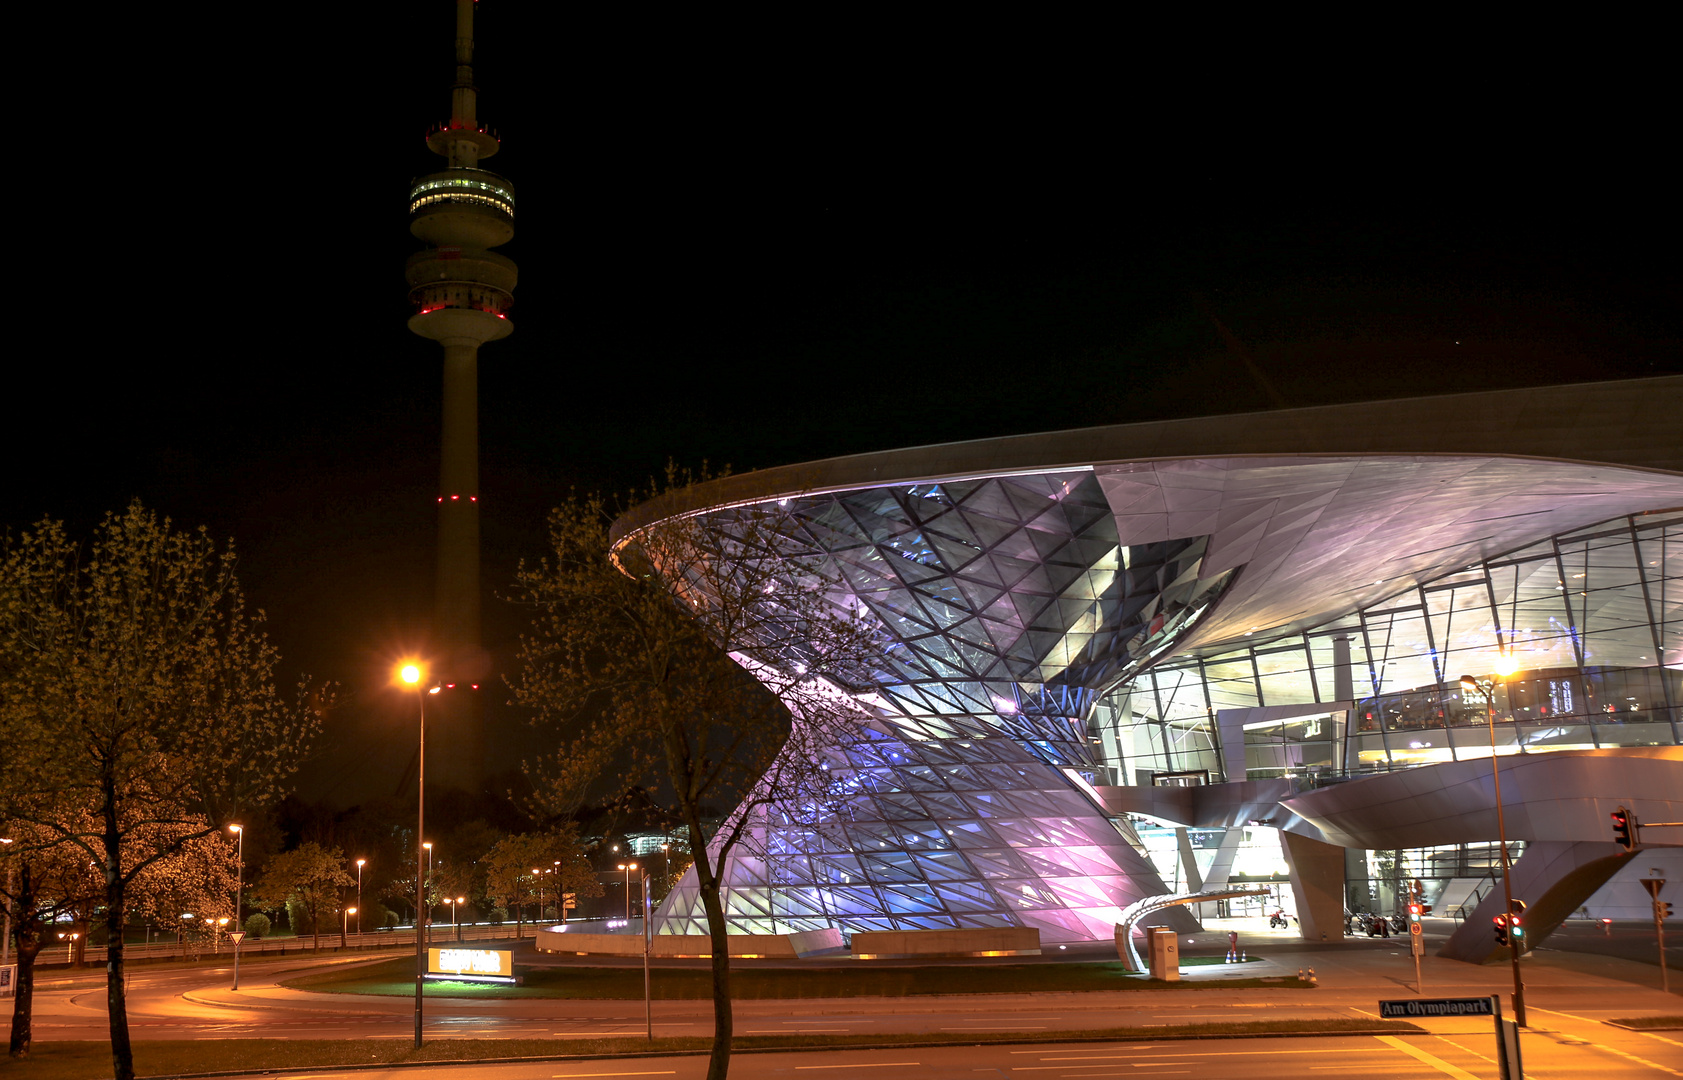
(1414, 913)
(1516, 931)
(1501, 922)
(1623, 834)
(1662, 910)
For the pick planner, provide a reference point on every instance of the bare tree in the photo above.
(701, 656)
(136, 689)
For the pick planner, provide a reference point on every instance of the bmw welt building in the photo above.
(1130, 661)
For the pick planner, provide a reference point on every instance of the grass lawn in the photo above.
(396, 978)
(90, 1060)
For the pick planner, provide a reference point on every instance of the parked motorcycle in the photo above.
(1277, 921)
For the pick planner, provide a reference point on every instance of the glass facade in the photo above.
(1006, 606)
(1026, 654)
(931, 835)
(1593, 618)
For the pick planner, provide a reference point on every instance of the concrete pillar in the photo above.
(1343, 678)
(1317, 881)
(1191, 881)
(1188, 861)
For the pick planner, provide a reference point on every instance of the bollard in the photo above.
(1312, 977)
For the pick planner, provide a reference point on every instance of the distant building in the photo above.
(1234, 626)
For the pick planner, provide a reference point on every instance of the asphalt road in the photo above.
(197, 1003)
(1463, 1049)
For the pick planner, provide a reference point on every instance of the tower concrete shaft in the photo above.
(460, 292)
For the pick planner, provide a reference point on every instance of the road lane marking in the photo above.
(864, 1065)
(1639, 1061)
(1662, 1038)
(1615, 1050)
(1420, 1055)
(1012, 1027)
(668, 1072)
(1210, 1053)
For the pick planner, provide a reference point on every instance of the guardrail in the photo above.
(368, 941)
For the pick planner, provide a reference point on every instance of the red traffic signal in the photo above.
(1414, 911)
(1624, 834)
(1501, 928)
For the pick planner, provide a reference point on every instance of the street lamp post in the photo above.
(360, 863)
(411, 674)
(628, 867)
(648, 1007)
(345, 925)
(1487, 687)
(428, 846)
(239, 890)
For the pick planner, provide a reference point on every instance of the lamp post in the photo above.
(360, 863)
(1504, 667)
(628, 867)
(411, 674)
(345, 925)
(239, 890)
(428, 846)
(648, 1006)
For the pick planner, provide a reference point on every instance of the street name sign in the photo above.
(1418, 1007)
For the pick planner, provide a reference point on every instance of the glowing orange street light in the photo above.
(410, 673)
(628, 867)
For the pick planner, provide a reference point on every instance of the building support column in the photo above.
(1317, 881)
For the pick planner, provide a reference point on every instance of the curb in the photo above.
(285, 1070)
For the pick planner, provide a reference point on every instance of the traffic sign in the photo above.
(1415, 930)
(1653, 885)
(236, 936)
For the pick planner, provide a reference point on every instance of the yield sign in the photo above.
(1653, 885)
(236, 936)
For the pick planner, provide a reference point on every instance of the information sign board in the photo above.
(1418, 1007)
(471, 965)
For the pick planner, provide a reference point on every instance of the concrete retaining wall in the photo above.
(993, 941)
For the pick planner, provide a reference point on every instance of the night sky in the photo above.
(755, 243)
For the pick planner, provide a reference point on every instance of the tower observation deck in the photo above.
(460, 293)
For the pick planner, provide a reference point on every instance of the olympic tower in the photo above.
(460, 292)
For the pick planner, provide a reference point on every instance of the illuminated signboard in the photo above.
(471, 965)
